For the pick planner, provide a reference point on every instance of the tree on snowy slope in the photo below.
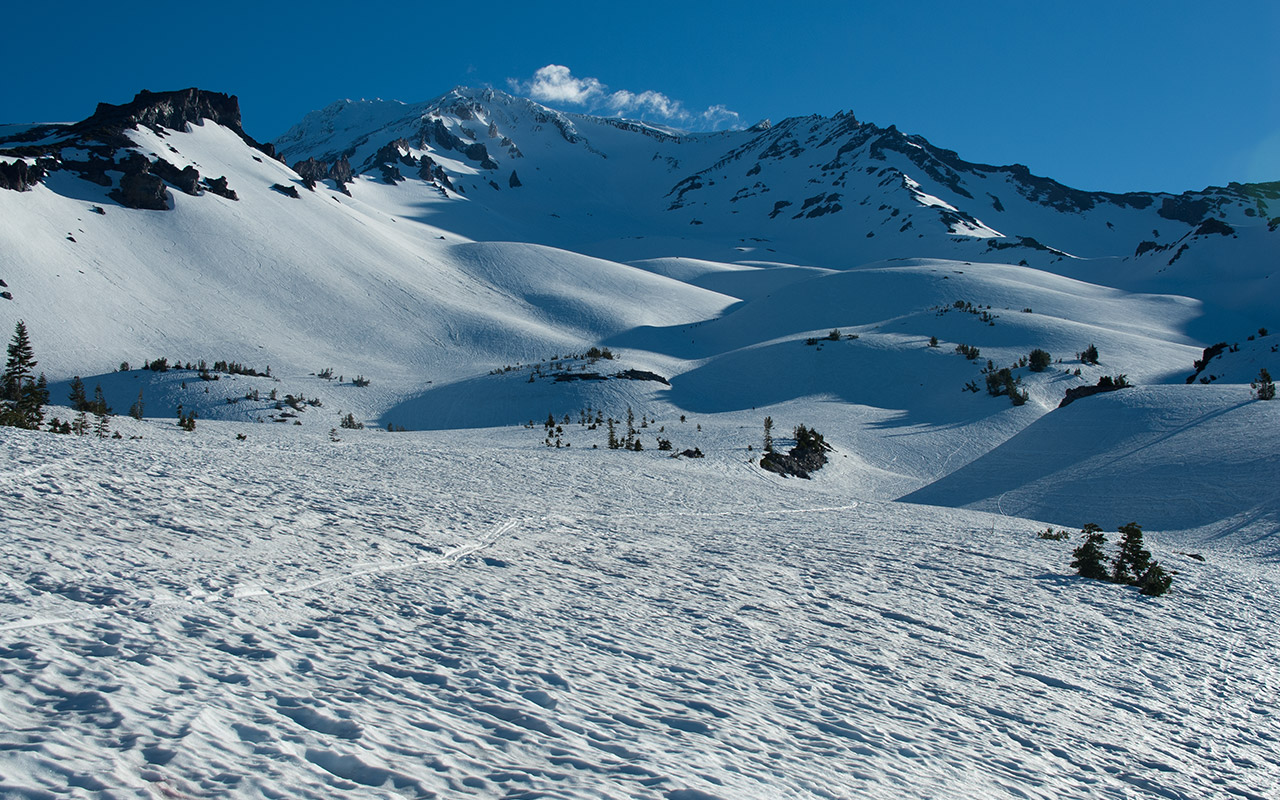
(1263, 387)
(1090, 559)
(22, 396)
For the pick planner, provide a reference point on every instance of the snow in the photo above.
(469, 614)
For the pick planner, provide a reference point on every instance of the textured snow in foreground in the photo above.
(461, 614)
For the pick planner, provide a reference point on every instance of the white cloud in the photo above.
(556, 84)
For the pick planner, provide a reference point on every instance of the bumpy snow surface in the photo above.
(470, 614)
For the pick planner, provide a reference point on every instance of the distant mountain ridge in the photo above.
(833, 191)
(868, 182)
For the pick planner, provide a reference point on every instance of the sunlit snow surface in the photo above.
(469, 614)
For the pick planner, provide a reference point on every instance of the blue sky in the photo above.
(1115, 96)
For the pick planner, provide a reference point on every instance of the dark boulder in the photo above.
(513, 181)
(287, 191)
(478, 152)
(141, 189)
(219, 187)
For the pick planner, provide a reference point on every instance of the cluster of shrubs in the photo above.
(1132, 565)
(202, 367)
(326, 374)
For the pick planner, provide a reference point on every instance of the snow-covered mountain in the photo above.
(826, 191)
(480, 262)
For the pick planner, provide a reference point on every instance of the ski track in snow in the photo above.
(462, 615)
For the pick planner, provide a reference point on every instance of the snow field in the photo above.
(462, 614)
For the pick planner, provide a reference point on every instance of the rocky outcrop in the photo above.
(808, 456)
(174, 110)
(185, 180)
(514, 180)
(19, 176)
(312, 172)
(429, 170)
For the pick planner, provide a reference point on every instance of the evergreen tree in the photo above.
(1090, 560)
(136, 409)
(21, 397)
(1264, 388)
(613, 435)
(102, 425)
(1090, 354)
(1133, 560)
(1155, 581)
(20, 366)
(1040, 360)
(76, 396)
(99, 405)
(768, 434)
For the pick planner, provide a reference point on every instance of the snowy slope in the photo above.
(1176, 457)
(468, 615)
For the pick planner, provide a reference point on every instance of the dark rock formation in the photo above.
(219, 187)
(513, 181)
(312, 172)
(478, 152)
(429, 170)
(642, 375)
(141, 189)
(19, 176)
(287, 191)
(174, 110)
(808, 456)
(1211, 226)
(340, 173)
(1105, 384)
(186, 180)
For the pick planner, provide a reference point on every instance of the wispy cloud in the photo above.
(557, 85)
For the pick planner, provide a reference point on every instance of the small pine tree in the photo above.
(768, 434)
(613, 436)
(1133, 560)
(1155, 581)
(1090, 355)
(76, 396)
(1090, 561)
(136, 409)
(102, 425)
(98, 406)
(933, 341)
(1264, 388)
(1039, 360)
(21, 397)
